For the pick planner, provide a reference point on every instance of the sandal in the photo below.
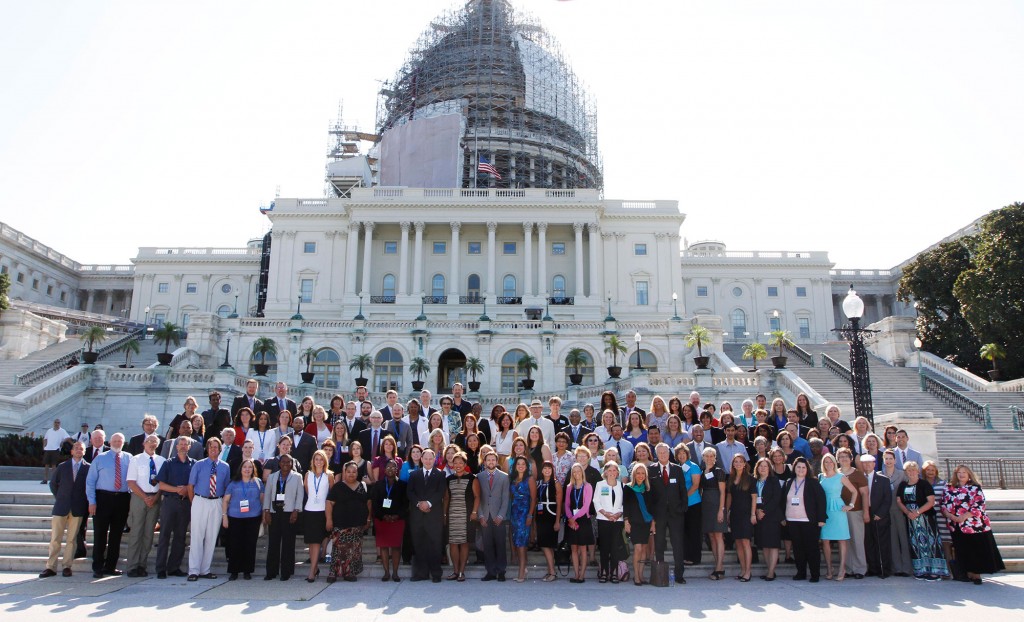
(548, 578)
(462, 577)
(615, 578)
(386, 577)
(714, 576)
(453, 576)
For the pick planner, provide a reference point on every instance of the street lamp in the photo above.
(227, 349)
(145, 331)
(298, 308)
(675, 307)
(638, 338)
(234, 313)
(853, 308)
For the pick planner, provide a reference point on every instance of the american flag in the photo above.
(487, 167)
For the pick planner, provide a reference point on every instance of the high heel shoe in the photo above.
(841, 576)
(314, 577)
(744, 579)
(828, 573)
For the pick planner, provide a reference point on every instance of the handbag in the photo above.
(659, 574)
(623, 571)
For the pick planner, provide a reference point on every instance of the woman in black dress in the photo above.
(712, 485)
(768, 530)
(782, 473)
(348, 517)
(741, 499)
(549, 515)
(637, 506)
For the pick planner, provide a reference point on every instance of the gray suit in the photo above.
(695, 455)
(494, 503)
(403, 435)
(196, 450)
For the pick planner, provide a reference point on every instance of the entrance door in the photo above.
(451, 368)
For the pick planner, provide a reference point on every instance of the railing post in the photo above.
(988, 418)
(1002, 475)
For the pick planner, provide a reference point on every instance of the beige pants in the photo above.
(856, 561)
(59, 525)
(141, 520)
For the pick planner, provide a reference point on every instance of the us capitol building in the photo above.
(469, 223)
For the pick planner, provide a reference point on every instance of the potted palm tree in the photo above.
(130, 347)
(698, 336)
(419, 366)
(755, 351)
(308, 355)
(362, 362)
(576, 358)
(474, 366)
(615, 346)
(167, 334)
(780, 339)
(263, 347)
(92, 336)
(993, 352)
(527, 363)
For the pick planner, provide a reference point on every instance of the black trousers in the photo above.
(281, 549)
(494, 551)
(175, 514)
(427, 530)
(407, 547)
(805, 536)
(108, 527)
(80, 540)
(693, 539)
(675, 524)
(609, 540)
(877, 547)
(241, 536)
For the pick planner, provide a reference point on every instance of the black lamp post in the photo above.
(675, 307)
(227, 349)
(298, 308)
(234, 313)
(637, 338)
(853, 308)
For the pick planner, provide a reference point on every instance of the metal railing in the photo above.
(800, 353)
(1008, 472)
(561, 300)
(510, 300)
(474, 299)
(836, 367)
(435, 300)
(382, 300)
(54, 367)
(974, 410)
(1018, 418)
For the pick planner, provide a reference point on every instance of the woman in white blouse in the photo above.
(314, 513)
(608, 505)
(605, 429)
(264, 438)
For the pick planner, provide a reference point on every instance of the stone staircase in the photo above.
(10, 369)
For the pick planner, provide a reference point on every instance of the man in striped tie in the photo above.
(106, 487)
(206, 485)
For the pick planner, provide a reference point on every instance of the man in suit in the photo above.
(303, 446)
(149, 426)
(106, 486)
(97, 446)
(370, 437)
(249, 399)
(216, 418)
(428, 408)
(463, 407)
(279, 403)
(229, 452)
(903, 451)
(877, 546)
(400, 429)
(70, 508)
(575, 429)
(493, 510)
(669, 488)
(392, 398)
(195, 448)
(426, 516)
(353, 421)
(697, 446)
(630, 407)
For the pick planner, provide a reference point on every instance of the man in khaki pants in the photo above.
(70, 508)
(145, 506)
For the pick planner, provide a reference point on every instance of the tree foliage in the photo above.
(5, 286)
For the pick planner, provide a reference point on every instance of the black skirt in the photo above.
(639, 533)
(314, 527)
(977, 552)
(584, 536)
(547, 530)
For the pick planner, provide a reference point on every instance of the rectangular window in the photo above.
(191, 288)
(440, 248)
(63, 296)
(508, 248)
(641, 292)
(21, 277)
(309, 247)
(306, 290)
(474, 248)
(773, 292)
(186, 319)
(558, 248)
(801, 292)
(35, 283)
(639, 249)
(774, 323)
(163, 288)
(159, 319)
(805, 327)
(702, 291)
(3, 269)
(49, 290)
(390, 248)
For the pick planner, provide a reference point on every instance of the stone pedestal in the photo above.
(920, 426)
(704, 379)
(895, 341)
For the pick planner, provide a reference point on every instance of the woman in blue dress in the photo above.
(837, 527)
(916, 499)
(524, 498)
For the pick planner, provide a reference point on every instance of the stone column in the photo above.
(492, 228)
(350, 269)
(594, 243)
(90, 297)
(417, 260)
(577, 228)
(528, 259)
(542, 259)
(403, 260)
(364, 287)
(453, 278)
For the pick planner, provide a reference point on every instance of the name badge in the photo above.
(280, 497)
(709, 475)
(243, 506)
(794, 501)
(387, 504)
(540, 507)
(606, 492)
(759, 501)
(575, 445)
(672, 481)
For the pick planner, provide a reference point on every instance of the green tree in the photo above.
(5, 286)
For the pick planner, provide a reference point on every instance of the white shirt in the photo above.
(503, 444)
(603, 499)
(138, 470)
(53, 439)
(316, 491)
(264, 443)
(83, 437)
(547, 428)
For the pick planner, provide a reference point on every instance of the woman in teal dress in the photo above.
(524, 495)
(837, 527)
(916, 499)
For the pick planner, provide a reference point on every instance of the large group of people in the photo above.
(435, 482)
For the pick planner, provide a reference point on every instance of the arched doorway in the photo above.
(451, 368)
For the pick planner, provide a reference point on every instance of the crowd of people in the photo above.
(435, 482)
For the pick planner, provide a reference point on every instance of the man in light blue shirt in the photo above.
(729, 448)
(206, 485)
(624, 447)
(106, 487)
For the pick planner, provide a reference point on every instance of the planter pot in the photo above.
(614, 372)
(361, 382)
(307, 377)
(527, 383)
(576, 379)
(123, 366)
(701, 361)
(261, 370)
(995, 375)
(417, 385)
(474, 386)
(89, 358)
(164, 358)
(779, 361)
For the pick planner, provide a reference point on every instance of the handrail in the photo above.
(836, 367)
(1008, 472)
(800, 353)
(979, 412)
(1017, 415)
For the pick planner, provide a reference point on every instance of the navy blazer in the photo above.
(68, 490)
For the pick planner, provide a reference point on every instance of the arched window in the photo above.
(327, 367)
(389, 285)
(387, 370)
(647, 359)
(186, 319)
(437, 286)
(510, 374)
(739, 324)
(224, 310)
(271, 363)
(508, 286)
(558, 286)
(473, 287)
(587, 370)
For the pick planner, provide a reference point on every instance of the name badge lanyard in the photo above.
(316, 485)
(796, 489)
(577, 499)
(262, 437)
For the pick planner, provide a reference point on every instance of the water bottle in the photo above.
(671, 575)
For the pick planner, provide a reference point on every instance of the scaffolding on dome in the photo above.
(347, 167)
(523, 111)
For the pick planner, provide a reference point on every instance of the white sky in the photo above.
(869, 129)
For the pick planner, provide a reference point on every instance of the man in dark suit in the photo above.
(97, 446)
(279, 403)
(392, 398)
(463, 407)
(630, 407)
(353, 422)
(70, 508)
(371, 437)
(575, 429)
(493, 515)
(877, 547)
(303, 446)
(426, 516)
(699, 443)
(400, 429)
(668, 487)
(229, 452)
(149, 426)
(216, 418)
(249, 399)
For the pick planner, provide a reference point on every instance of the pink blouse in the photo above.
(587, 497)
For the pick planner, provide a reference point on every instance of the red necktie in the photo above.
(664, 474)
(117, 471)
